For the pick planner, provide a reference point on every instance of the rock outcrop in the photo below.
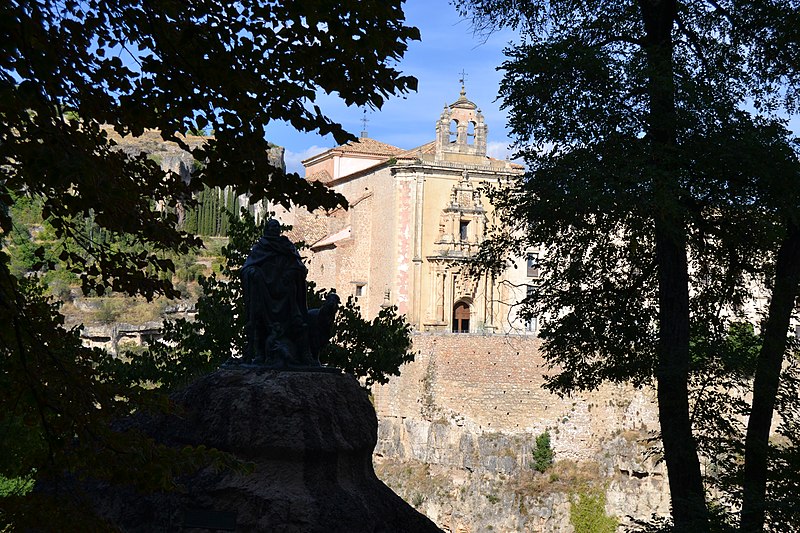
(310, 437)
(172, 157)
(458, 428)
(468, 481)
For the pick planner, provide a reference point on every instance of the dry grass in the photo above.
(412, 479)
(563, 476)
(117, 309)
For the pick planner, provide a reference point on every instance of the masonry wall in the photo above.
(493, 383)
(362, 258)
(382, 228)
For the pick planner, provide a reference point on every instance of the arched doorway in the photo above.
(461, 318)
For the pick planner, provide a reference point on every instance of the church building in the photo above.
(415, 217)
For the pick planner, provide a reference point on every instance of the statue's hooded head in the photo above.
(272, 228)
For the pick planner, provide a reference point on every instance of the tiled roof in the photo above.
(429, 148)
(511, 163)
(365, 145)
(321, 176)
(426, 149)
(346, 233)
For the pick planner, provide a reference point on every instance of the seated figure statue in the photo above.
(277, 328)
(320, 323)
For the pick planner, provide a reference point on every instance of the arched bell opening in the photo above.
(453, 130)
(471, 132)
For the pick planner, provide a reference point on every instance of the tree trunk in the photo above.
(767, 379)
(689, 511)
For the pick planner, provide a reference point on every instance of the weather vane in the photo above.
(463, 78)
(364, 121)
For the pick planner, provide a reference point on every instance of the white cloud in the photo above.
(501, 150)
(293, 159)
(498, 150)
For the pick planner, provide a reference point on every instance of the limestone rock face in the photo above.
(310, 436)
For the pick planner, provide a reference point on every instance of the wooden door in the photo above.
(461, 318)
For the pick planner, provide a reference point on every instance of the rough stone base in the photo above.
(310, 437)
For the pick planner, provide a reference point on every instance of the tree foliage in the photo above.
(59, 402)
(371, 350)
(73, 75)
(70, 68)
(662, 200)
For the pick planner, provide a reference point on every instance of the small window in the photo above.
(529, 291)
(464, 230)
(531, 324)
(532, 261)
(360, 290)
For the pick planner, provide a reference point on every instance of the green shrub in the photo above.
(59, 283)
(587, 513)
(15, 486)
(543, 453)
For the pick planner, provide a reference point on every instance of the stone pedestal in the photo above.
(310, 437)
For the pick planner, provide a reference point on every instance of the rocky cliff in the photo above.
(458, 428)
(309, 437)
(467, 480)
(172, 157)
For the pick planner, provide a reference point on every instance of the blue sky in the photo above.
(448, 45)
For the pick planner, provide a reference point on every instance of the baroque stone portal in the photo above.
(281, 332)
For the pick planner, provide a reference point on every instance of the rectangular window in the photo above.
(532, 261)
(464, 230)
(532, 324)
(359, 290)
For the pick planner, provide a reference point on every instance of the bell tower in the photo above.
(461, 131)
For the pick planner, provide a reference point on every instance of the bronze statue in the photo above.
(281, 332)
(320, 323)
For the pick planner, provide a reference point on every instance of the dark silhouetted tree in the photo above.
(73, 72)
(660, 199)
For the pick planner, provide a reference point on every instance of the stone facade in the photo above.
(414, 218)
